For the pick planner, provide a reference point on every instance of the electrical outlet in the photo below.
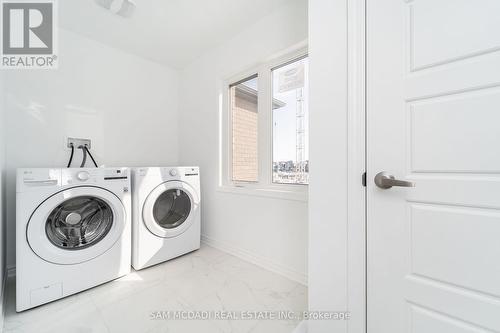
(79, 142)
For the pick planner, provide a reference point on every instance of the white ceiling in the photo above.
(172, 32)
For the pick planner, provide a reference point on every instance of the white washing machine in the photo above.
(166, 214)
(73, 231)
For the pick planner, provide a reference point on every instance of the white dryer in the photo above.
(73, 231)
(166, 214)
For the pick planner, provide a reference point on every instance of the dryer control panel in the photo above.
(168, 172)
(179, 172)
(191, 171)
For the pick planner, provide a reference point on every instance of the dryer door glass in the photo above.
(79, 222)
(172, 208)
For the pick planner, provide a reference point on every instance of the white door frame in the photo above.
(337, 239)
(356, 162)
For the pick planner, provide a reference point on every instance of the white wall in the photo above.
(125, 104)
(271, 232)
(2, 195)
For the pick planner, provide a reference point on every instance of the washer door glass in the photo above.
(79, 222)
(172, 208)
(100, 220)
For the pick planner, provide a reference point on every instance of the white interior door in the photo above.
(433, 117)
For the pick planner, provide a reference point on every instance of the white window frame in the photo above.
(264, 186)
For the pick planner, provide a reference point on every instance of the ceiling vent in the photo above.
(123, 8)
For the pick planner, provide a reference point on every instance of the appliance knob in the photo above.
(83, 176)
(173, 172)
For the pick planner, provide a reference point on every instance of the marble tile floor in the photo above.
(207, 282)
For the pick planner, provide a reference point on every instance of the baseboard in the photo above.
(256, 259)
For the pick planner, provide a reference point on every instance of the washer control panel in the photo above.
(83, 176)
(35, 178)
(93, 175)
(77, 176)
(116, 174)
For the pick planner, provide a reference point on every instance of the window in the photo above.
(290, 123)
(244, 126)
(264, 129)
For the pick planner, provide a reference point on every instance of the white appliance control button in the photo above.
(83, 175)
(173, 172)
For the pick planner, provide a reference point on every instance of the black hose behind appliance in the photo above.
(71, 156)
(92, 157)
(84, 158)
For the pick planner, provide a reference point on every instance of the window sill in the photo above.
(270, 192)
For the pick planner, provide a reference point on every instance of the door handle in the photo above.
(385, 181)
